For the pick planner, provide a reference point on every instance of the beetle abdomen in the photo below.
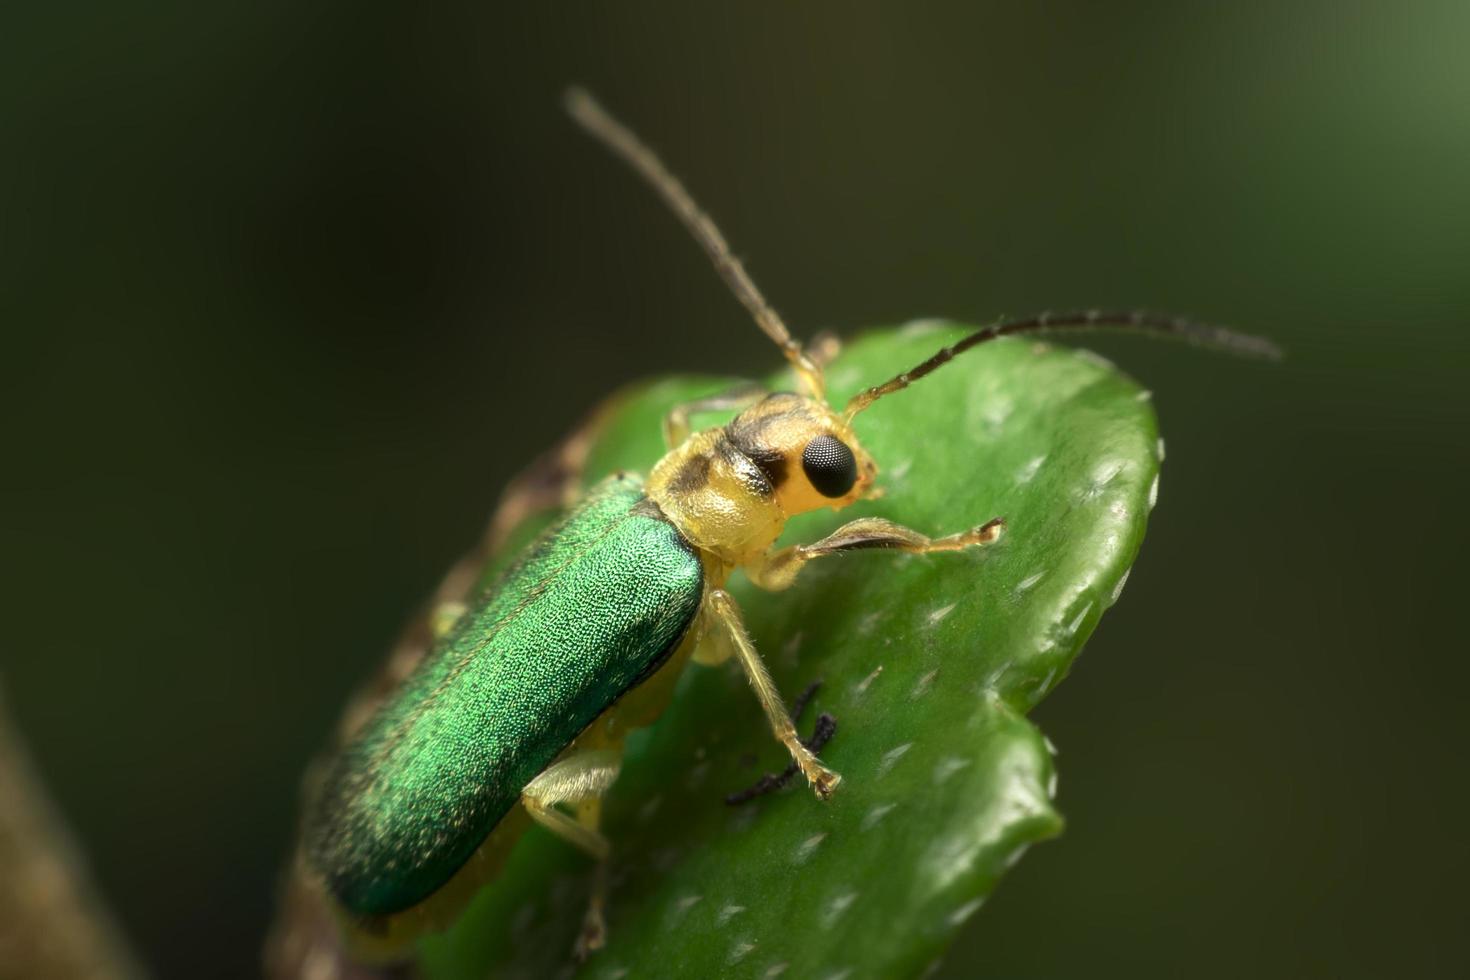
(590, 609)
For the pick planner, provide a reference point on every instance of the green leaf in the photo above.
(928, 663)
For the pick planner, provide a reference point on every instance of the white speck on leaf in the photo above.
(863, 685)
(1029, 470)
(871, 818)
(1118, 589)
(892, 756)
(998, 412)
(806, 848)
(1105, 473)
(740, 951)
(728, 912)
(681, 908)
(947, 767)
(1076, 623)
(940, 613)
(922, 686)
(836, 908)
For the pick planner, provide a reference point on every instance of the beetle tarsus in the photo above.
(822, 733)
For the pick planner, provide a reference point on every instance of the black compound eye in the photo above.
(829, 465)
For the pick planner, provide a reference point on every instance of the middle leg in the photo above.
(720, 607)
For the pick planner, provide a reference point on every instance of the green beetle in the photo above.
(516, 708)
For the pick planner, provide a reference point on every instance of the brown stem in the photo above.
(52, 924)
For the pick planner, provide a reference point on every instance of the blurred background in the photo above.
(289, 291)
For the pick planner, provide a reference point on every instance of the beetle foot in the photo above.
(822, 779)
(825, 728)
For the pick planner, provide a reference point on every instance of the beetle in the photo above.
(518, 710)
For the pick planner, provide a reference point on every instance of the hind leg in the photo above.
(579, 781)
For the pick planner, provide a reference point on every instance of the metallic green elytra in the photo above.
(594, 606)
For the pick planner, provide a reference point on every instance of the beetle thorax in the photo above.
(717, 498)
(731, 490)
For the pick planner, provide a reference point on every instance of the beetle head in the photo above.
(808, 452)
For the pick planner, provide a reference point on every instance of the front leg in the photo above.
(676, 423)
(777, 570)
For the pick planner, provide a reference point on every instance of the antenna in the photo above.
(621, 141)
(1202, 334)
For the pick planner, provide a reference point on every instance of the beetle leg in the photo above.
(825, 728)
(713, 645)
(580, 779)
(594, 922)
(720, 606)
(777, 570)
(577, 779)
(676, 423)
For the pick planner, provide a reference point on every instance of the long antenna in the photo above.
(1202, 334)
(621, 140)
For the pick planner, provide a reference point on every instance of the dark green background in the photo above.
(288, 292)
